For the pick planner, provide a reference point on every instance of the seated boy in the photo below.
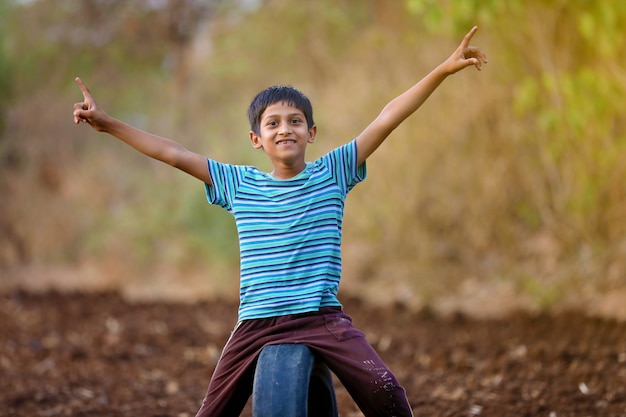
(289, 223)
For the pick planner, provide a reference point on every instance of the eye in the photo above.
(296, 121)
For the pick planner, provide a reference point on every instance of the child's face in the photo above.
(283, 133)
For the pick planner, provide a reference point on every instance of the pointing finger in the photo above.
(468, 37)
(83, 88)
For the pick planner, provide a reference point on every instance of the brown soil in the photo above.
(98, 355)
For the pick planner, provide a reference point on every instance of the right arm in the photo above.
(154, 146)
(407, 103)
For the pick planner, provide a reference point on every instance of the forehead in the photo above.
(281, 108)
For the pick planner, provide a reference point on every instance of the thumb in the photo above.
(466, 61)
(475, 62)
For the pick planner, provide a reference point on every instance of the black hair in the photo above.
(277, 94)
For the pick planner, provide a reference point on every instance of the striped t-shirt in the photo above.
(289, 231)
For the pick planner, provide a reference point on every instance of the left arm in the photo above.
(398, 109)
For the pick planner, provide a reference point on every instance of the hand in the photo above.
(465, 55)
(88, 110)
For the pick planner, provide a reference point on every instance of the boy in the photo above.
(289, 225)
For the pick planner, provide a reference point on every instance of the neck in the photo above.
(284, 172)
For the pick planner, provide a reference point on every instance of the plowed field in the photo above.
(95, 354)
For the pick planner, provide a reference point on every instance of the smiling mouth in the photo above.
(286, 142)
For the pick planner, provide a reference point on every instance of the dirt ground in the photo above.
(95, 354)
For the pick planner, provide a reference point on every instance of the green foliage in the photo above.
(6, 71)
(460, 15)
(601, 26)
(570, 89)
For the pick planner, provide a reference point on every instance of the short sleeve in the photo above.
(342, 161)
(225, 180)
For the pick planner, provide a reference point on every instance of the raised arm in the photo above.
(154, 146)
(398, 109)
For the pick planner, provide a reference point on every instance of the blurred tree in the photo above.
(44, 44)
(566, 144)
(6, 92)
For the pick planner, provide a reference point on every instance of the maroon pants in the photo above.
(330, 334)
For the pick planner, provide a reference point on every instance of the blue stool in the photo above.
(289, 381)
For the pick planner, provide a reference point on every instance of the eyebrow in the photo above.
(270, 116)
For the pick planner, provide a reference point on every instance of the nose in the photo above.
(284, 129)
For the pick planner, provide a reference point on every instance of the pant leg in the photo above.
(371, 384)
(231, 383)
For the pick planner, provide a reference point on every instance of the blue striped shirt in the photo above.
(289, 231)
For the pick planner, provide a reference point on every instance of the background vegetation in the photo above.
(505, 190)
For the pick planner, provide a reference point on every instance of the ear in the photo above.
(256, 140)
(312, 134)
